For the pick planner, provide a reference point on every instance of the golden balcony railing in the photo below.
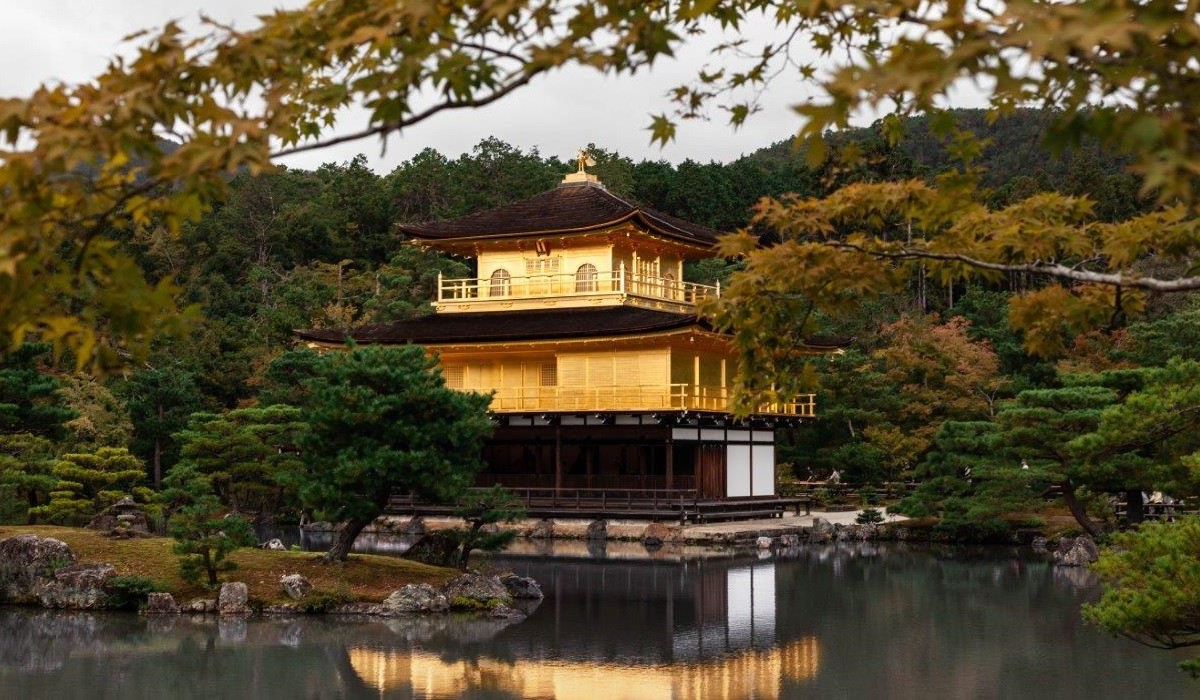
(568, 285)
(666, 397)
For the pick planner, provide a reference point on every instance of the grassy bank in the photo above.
(363, 577)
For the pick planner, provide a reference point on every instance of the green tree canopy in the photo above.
(159, 400)
(87, 483)
(247, 454)
(380, 420)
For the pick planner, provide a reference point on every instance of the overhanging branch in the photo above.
(1058, 270)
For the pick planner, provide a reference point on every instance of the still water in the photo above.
(861, 621)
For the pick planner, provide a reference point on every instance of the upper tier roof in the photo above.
(566, 209)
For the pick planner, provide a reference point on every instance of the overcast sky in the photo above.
(70, 40)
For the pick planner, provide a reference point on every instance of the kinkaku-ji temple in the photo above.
(611, 396)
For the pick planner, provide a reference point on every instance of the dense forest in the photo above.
(934, 385)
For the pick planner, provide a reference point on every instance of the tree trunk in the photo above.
(468, 544)
(1077, 509)
(343, 539)
(158, 453)
(1134, 511)
(30, 516)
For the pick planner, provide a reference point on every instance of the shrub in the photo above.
(869, 516)
(130, 592)
(204, 539)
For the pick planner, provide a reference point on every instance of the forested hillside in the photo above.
(293, 249)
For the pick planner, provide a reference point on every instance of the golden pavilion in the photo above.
(581, 323)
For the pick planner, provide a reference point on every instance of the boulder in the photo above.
(473, 591)
(821, 531)
(161, 604)
(77, 587)
(789, 540)
(503, 612)
(541, 530)
(521, 587)
(273, 543)
(656, 534)
(597, 531)
(28, 562)
(867, 532)
(201, 605)
(1039, 544)
(233, 599)
(1083, 551)
(1088, 545)
(1064, 545)
(283, 609)
(842, 533)
(358, 609)
(763, 542)
(416, 598)
(415, 527)
(295, 585)
(435, 549)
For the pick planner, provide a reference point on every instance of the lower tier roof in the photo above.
(501, 326)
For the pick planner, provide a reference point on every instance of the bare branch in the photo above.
(383, 129)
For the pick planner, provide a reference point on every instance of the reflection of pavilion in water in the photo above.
(750, 674)
(696, 629)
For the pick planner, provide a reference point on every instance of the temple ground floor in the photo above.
(710, 456)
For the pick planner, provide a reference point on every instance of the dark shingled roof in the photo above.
(568, 208)
(505, 326)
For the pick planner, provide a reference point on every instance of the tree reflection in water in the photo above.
(850, 621)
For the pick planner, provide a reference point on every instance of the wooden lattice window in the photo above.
(543, 266)
(548, 374)
(500, 283)
(453, 375)
(585, 278)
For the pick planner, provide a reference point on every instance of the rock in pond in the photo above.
(522, 587)
(763, 542)
(201, 605)
(233, 599)
(28, 562)
(161, 604)
(541, 530)
(416, 598)
(295, 585)
(78, 587)
(822, 531)
(476, 592)
(656, 534)
(1082, 551)
(597, 531)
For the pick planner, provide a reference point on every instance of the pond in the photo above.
(861, 621)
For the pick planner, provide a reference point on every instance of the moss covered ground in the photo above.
(362, 577)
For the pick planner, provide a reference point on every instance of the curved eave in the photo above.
(650, 224)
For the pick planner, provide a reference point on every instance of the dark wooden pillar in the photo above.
(670, 459)
(557, 459)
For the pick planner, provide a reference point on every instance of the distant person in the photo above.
(1024, 465)
(835, 477)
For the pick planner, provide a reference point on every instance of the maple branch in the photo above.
(384, 129)
(1115, 279)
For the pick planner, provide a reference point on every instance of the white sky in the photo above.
(70, 41)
